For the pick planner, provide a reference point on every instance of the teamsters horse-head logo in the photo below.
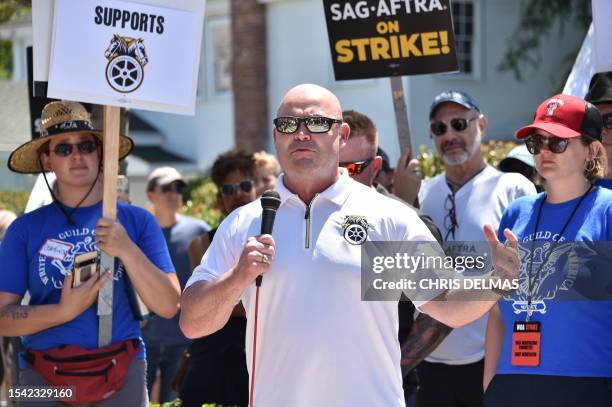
(355, 229)
(126, 61)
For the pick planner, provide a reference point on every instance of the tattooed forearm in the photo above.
(15, 312)
(425, 335)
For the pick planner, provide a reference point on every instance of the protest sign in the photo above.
(381, 38)
(137, 54)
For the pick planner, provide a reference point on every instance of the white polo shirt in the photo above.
(483, 199)
(318, 343)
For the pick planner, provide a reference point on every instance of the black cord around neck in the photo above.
(68, 215)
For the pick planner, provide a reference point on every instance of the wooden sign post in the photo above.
(401, 113)
(109, 211)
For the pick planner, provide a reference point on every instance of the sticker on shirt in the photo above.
(56, 249)
(56, 256)
(526, 340)
(556, 265)
(355, 229)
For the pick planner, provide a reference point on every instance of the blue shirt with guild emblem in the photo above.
(39, 250)
(569, 296)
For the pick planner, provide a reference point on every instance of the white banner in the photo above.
(584, 68)
(141, 54)
(602, 20)
(42, 21)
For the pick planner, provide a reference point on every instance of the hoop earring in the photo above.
(591, 165)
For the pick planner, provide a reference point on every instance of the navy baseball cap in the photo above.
(454, 96)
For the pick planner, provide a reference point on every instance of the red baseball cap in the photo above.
(565, 116)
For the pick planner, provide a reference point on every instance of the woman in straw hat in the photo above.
(41, 253)
(550, 342)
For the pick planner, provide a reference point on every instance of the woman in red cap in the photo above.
(549, 343)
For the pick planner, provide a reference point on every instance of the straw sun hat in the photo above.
(58, 118)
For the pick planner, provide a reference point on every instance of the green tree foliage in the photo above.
(201, 201)
(14, 201)
(9, 10)
(537, 19)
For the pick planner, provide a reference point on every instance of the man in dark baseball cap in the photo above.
(600, 94)
(453, 96)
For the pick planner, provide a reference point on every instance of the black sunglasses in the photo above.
(177, 187)
(314, 124)
(457, 123)
(230, 189)
(607, 121)
(450, 220)
(556, 145)
(356, 167)
(85, 147)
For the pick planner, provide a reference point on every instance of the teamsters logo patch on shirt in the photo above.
(355, 229)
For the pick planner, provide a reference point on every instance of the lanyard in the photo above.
(531, 282)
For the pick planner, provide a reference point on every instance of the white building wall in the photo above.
(298, 51)
(508, 104)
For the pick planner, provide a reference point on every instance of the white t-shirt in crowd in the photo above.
(318, 343)
(481, 200)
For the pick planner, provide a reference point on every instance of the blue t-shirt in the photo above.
(606, 183)
(162, 331)
(39, 249)
(576, 336)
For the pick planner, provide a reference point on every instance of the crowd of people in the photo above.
(304, 336)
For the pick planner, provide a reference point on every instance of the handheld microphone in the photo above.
(270, 201)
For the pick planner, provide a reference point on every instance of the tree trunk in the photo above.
(249, 75)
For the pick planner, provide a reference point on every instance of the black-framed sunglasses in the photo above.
(314, 124)
(177, 187)
(556, 145)
(85, 147)
(230, 189)
(607, 121)
(457, 123)
(450, 220)
(356, 167)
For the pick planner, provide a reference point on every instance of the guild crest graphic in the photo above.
(126, 61)
(355, 229)
(558, 265)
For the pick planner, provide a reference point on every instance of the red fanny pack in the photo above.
(95, 374)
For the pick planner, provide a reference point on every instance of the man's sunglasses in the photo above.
(607, 121)
(177, 187)
(85, 147)
(356, 167)
(230, 189)
(556, 145)
(314, 124)
(457, 123)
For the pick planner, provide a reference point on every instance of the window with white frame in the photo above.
(463, 22)
(217, 57)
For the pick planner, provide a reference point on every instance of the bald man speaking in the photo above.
(318, 343)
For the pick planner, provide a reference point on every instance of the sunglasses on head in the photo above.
(607, 121)
(177, 187)
(356, 167)
(230, 189)
(556, 145)
(85, 147)
(457, 123)
(314, 124)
